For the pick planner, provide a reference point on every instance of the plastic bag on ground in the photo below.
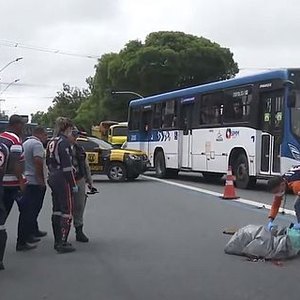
(257, 241)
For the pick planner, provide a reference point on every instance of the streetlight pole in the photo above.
(13, 61)
(126, 93)
(10, 84)
(1, 100)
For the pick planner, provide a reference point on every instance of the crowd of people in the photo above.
(25, 170)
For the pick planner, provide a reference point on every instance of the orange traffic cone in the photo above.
(229, 191)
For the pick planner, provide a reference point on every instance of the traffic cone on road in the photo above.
(229, 191)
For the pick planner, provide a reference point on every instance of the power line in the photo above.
(29, 97)
(33, 85)
(13, 44)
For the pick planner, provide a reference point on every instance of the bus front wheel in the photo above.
(241, 172)
(160, 165)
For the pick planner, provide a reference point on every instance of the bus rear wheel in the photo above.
(241, 172)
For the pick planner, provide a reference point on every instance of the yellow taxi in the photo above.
(117, 164)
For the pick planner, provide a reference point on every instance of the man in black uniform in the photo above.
(82, 177)
(62, 183)
(4, 153)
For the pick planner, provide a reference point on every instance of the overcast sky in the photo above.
(260, 34)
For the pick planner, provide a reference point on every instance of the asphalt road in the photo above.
(149, 240)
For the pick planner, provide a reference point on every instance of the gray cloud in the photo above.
(25, 18)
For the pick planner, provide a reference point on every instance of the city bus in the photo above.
(251, 124)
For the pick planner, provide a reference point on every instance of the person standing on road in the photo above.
(279, 186)
(62, 183)
(82, 176)
(4, 154)
(32, 200)
(14, 181)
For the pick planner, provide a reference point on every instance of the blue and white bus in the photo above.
(250, 123)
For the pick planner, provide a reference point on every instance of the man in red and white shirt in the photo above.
(14, 182)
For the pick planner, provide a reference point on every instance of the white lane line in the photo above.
(211, 193)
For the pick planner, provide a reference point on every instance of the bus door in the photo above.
(146, 129)
(186, 125)
(272, 121)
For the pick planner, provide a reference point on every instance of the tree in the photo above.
(165, 62)
(66, 103)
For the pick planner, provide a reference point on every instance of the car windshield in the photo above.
(120, 131)
(102, 144)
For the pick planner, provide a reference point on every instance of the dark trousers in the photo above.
(3, 234)
(10, 195)
(3, 213)
(63, 201)
(30, 206)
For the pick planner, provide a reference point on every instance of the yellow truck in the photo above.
(117, 134)
(113, 132)
(101, 131)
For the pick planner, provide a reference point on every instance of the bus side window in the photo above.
(210, 108)
(134, 118)
(237, 105)
(146, 120)
(169, 114)
(157, 116)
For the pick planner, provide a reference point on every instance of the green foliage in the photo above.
(66, 103)
(166, 61)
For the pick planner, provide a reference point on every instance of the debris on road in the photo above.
(256, 259)
(277, 263)
(261, 207)
(255, 241)
(230, 230)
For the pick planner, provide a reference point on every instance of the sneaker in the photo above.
(33, 240)
(64, 248)
(25, 247)
(80, 236)
(1, 266)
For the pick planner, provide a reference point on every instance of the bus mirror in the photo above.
(288, 83)
(292, 99)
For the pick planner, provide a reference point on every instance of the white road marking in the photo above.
(211, 193)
